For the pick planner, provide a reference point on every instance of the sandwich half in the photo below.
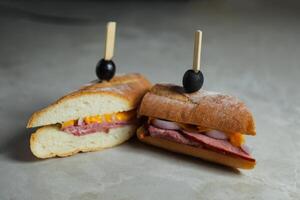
(97, 116)
(203, 124)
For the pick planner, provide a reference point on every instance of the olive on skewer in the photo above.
(193, 78)
(106, 68)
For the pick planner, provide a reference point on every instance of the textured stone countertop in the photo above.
(251, 49)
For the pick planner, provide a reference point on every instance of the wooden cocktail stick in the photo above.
(197, 51)
(110, 40)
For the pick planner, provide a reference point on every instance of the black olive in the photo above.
(105, 69)
(192, 81)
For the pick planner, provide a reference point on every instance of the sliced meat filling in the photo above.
(99, 123)
(198, 140)
(92, 128)
(171, 135)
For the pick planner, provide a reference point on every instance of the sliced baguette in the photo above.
(50, 141)
(204, 154)
(202, 108)
(122, 93)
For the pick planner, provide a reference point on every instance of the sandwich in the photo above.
(203, 124)
(97, 116)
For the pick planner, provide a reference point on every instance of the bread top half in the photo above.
(202, 108)
(121, 93)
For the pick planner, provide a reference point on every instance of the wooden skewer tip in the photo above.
(197, 51)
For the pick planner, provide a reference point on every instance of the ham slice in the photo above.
(223, 146)
(199, 140)
(84, 129)
(170, 135)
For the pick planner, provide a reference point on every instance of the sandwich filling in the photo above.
(98, 123)
(227, 143)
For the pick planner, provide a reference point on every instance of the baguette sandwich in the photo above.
(207, 125)
(97, 116)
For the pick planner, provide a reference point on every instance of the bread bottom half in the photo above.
(202, 153)
(50, 141)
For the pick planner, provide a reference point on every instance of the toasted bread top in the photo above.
(203, 108)
(122, 93)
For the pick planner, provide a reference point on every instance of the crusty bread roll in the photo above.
(206, 110)
(202, 153)
(122, 93)
(202, 108)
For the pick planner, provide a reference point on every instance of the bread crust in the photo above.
(130, 88)
(204, 154)
(203, 108)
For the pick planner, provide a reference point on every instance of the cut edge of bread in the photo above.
(50, 141)
(201, 153)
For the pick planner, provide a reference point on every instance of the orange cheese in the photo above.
(236, 139)
(93, 119)
(120, 116)
(108, 118)
(123, 116)
(68, 123)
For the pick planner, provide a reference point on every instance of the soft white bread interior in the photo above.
(122, 93)
(205, 154)
(50, 141)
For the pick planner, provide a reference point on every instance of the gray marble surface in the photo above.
(250, 49)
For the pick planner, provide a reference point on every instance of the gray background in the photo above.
(250, 49)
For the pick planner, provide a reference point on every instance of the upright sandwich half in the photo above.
(95, 117)
(207, 125)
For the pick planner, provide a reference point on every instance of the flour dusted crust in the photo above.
(204, 108)
(122, 93)
(204, 154)
(50, 141)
